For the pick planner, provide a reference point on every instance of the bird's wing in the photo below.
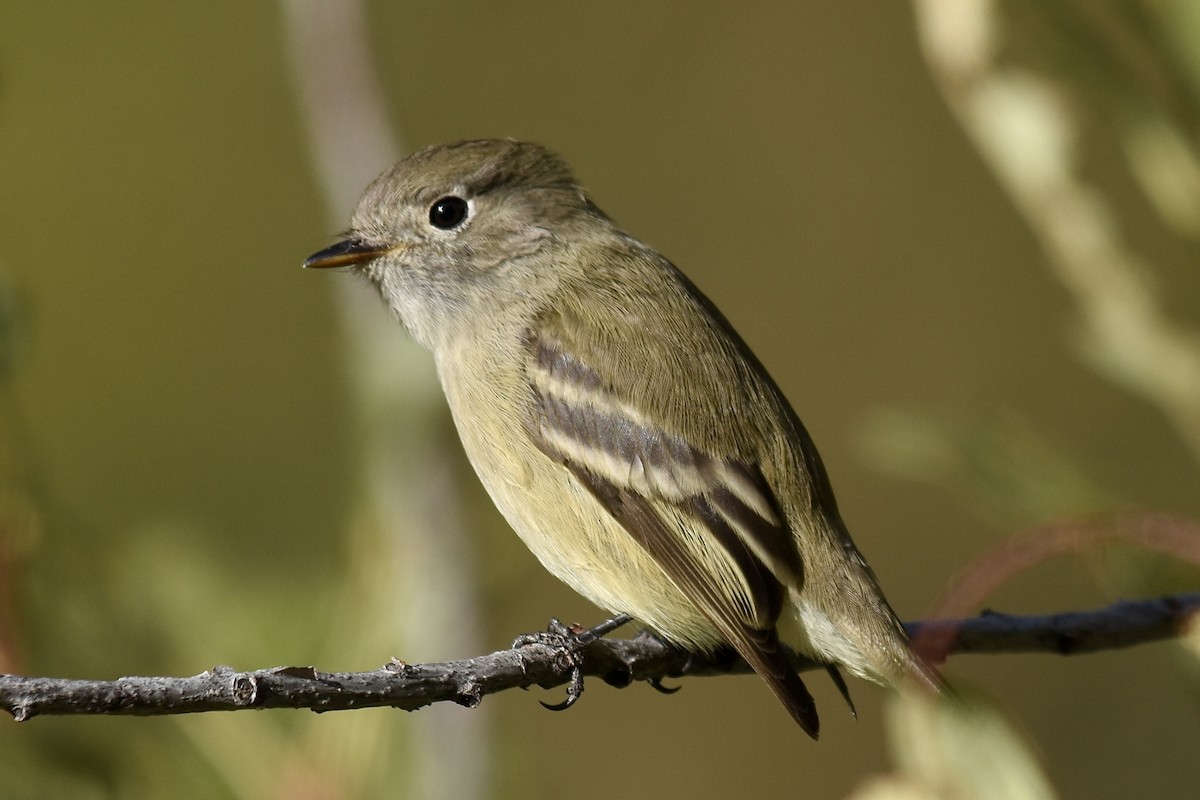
(709, 520)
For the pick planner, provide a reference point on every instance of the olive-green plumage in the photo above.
(619, 423)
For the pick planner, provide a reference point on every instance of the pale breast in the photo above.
(557, 518)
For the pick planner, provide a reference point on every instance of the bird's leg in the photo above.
(570, 642)
(603, 629)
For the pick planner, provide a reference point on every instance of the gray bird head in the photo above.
(453, 226)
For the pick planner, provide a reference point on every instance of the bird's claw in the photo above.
(574, 691)
(570, 641)
(657, 685)
(556, 635)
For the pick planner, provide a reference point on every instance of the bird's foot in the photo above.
(569, 642)
(657, 683)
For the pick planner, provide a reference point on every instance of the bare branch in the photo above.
(618, 662)
(1121, 625)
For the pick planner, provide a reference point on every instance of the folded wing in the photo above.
(711, 522)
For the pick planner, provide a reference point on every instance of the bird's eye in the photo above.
(448, 213)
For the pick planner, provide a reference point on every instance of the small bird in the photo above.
(620, 425)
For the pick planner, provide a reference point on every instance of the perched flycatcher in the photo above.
(622, 427)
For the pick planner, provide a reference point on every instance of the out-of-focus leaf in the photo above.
(997, 466)
(1191, 638)
(952, 749)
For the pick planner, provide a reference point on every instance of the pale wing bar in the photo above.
(583, 420)
(634, 470)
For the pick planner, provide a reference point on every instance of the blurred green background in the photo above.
(179, 440)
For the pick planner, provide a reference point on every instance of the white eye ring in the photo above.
(449, 212)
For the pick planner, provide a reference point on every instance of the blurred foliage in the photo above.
(953, 749)
(175, 447)
(8, 327)
(1050, 93)
(997, 466)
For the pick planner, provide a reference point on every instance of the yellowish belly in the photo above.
(558, 519)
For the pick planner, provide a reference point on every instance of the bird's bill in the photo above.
(347, 253)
